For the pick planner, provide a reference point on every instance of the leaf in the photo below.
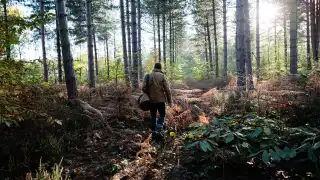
(204, 145)
(240, 135)
(213, 143)
(312, 156)
(192, 145)
(254, 154)
(267, 130)
(8, 124)
(265, 157)
(274, 155)
(279, 152)
(303, 147)
(213, 135)
(229, 138)
(257, 132)
(197, 125)
(215, 122)
(289, 153)
(316, 145)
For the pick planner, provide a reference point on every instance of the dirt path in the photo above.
(103, 156)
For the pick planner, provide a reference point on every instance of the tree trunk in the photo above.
(58, 47)
(7, 40)
(275, 39)
(215, 38)
(209, 44)
(90, 45)
(240, 44)
(206, 51)
(314, 30)
(170, 32)
(258, 40)
(225, 42)
(164, 41)
(43, 43)
(159, 35)
(135, 63)
(139, 41)
(293, 37)
(124, 43)
(108, 59)
(309, 65)
(129, 37)
(248, 45)
(154, 38)
(66, 51)
(285, 35)
(95, 53)
(173, 42)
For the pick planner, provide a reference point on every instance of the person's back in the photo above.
(159, 93)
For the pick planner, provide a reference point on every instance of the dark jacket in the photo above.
(159, 88)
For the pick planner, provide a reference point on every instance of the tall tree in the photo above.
(248, 55)
(7, 39)
(293, 37)
(43, 43)
(124, 43)
(129, 50)
(95, 52)
(58, 47)
(209, 45)
(66, 51)
(225, 42)
(215, 37)
(164, 40)
(240, 44)
(139, 40)
(135, 63)
(258, 40)
(285, 34)
(159, 29)
(315, 16)
(90, 45)
(309, 66)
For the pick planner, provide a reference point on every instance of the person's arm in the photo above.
(167, 90)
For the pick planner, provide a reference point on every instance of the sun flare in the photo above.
(268, 13)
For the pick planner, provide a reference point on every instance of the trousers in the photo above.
(154, 108)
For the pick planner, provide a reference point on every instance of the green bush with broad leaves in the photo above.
(253, 136)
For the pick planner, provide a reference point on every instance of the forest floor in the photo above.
(132, 153)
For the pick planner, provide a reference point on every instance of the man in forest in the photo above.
(159, 93)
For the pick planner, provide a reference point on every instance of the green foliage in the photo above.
(248, 137)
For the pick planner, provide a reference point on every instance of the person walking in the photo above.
(159, 93)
